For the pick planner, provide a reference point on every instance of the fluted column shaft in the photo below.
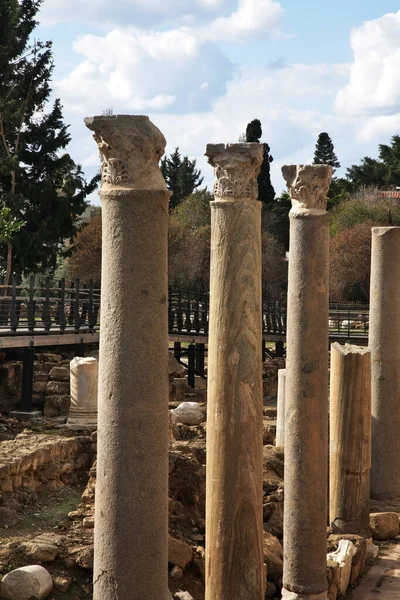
(234, 528)
(306, 398)
(131, 506)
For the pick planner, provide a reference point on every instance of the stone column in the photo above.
(234, 526)
(131, 507)
(83, 409)
(384, 342)
(350, 439)
(306, 398)
(280, 412)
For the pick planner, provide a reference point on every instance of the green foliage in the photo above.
(9, 225)
(40, 185)
(275, 218)
(194, 212)
(181, 177)
(383, 172)
(325, 152)
(362, 207)
(266, 192)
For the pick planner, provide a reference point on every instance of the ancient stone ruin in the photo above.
(257, 484)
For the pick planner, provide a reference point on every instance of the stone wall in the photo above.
(33, 462)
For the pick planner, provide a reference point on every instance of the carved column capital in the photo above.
(130, 148)
(308, 186)
(236, 168)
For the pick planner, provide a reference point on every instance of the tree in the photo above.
(181, 177)
(189, 238)
(365, 205)
(383, 172)
(39, 184)
(325, 152)
(266, 192)
(350, 263)
(84, 261)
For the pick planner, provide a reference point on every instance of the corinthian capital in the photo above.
(130, 149)
(236, 168)
(308, 185)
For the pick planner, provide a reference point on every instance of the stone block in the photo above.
(40, 552)
(343, 557)
(27, 583)
(39, 387)
(59, 374)
(55, 406)
(25, 415)
(179, 553)
(57, 388)
(384, 525)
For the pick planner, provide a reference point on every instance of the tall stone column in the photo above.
(384, 342)
(280, 409)
(350, 439)
(234, 527)
(131, 506)
(306, 398)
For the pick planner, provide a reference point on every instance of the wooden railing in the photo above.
(58, 306)
(54, 306)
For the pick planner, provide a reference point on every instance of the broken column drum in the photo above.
(234, 527)
(350, 439)
(306, 395)
(384, 342)
(83, 376)
(131, 505)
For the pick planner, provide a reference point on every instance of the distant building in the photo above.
(390, 195)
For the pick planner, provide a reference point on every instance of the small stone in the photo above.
(197, 538)
(8, 516)
(40, 552)
(183, 595)
(384, 525)
(62, 583)
(189, 413)
(85, 558)
(176, 573)
(59, 374)
(270, 589)
(27, 583)
(88, 522)
(179, 553)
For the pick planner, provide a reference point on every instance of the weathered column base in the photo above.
(286, 595)
(82, 422)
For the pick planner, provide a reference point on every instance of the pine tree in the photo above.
(39, 184)
(266, 192)
(181, 177)
(325, 152)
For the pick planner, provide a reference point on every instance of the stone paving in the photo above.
(382, 580)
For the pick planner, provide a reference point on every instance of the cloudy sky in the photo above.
(202, 69)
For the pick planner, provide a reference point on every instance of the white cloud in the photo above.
(374, 85)
(131, 69)
(128, 12)
(210, 19)
(252, 18)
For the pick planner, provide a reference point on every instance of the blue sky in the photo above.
(201, 69)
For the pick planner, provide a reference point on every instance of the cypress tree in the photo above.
(266, 192)
(39, 183)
